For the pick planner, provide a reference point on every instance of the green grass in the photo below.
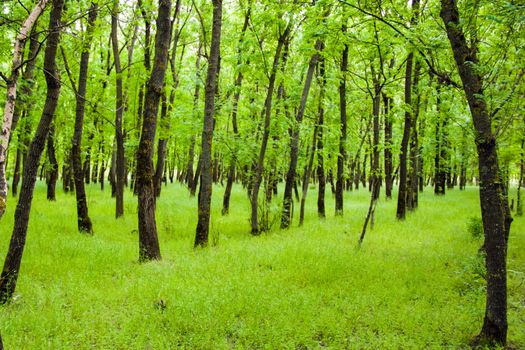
(414, 284)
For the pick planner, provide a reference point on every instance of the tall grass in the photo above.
(412, 285)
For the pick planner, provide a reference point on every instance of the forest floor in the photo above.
(412, 285)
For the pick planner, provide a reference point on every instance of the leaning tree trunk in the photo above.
(259, 166)
(495, 224)
(286, 216)
(83, 221)
(341, 157)
(9, 108)
(120, 162)
(235, 104)
(148, 240)
(375, 171)
(9, 276)
(203, 224)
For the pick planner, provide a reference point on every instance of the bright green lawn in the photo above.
(413, 284)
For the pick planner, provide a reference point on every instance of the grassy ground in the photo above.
(414, 284)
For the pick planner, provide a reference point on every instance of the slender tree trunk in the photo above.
(413, 190)
(83, 221)
(286, 217)
(341, 157)
(166, 110)
(495, 222)
(203, 224)
(9, 276)
(388, 146)
(307, 174)
(52, 175)
(320, 144)
(402, 192)
(519, 201)
(148, 239)
(259, 166)
(236, 98)
(120, 162)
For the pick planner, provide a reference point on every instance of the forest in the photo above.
(262, 174)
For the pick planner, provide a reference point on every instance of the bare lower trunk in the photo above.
(496, 223)
(83, 221)
(341, 157)
(203, 224)
(286, 216)
(148, 240)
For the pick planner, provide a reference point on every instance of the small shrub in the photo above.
(475, 227)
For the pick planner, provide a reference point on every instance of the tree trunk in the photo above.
(495, 224)
(52, 174)
(9, 276)
(235, 104)
(205, 191)
(83, 221)
(148, 239)
(320, 145)
(165, 124)
(388, 146)
(341, 157)
(402, 192)
(120, 162)
(259, 166)
(286, 217)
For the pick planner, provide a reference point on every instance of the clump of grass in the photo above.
(475, 227)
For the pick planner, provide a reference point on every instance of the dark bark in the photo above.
(22, 111)
(321, 211)
(341, 157)
(235, 104)
(83, 221)
(267, 111)
(165, 124)
(205, 191)
(120, 162)
(413, 189)
(52, 171)
(440, 167)
(387, 101)
(307, 173)
(286, 217)
(148, 239)
(11, 268)
(519, 201)
(495, 223)
(402, 191)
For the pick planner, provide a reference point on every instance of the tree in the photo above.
(205, 190)
(9, 108)
(11, 268)
(83, 221)
(495, 225)
(148, 240)
(119, 161)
